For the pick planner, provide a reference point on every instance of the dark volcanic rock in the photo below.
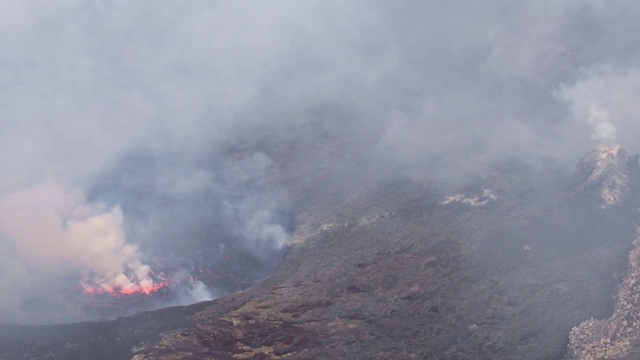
(396, 270)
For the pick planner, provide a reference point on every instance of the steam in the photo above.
(603, 130)
(605, 99)
(191, 291)
(50, 225)
(85, 87)
(207, 95)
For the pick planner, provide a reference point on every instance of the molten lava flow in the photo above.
(146, 289)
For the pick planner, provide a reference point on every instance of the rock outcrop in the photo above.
(614, 337)
(610, 171)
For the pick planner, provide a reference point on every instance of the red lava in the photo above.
(147, 289)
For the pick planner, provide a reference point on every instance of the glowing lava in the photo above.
(146, 289)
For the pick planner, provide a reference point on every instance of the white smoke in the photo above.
(191, 291)
(85, 84)
(52, 226)
(79, 99)
(254, 216)
(606, 99)
(197, 292)
(603, 130)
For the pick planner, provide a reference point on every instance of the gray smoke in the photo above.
(128, 129)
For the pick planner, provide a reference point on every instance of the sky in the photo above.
(154, 92)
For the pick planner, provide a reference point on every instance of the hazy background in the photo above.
(128, 129)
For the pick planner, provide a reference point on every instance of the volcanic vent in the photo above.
(610, 172)
(199, 246)
(135, 242)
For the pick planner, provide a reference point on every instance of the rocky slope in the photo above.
(616, 337)
(387, 268)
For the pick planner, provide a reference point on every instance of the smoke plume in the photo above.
(604, 98)
(49, 225)
(146, 138)
(603, 129)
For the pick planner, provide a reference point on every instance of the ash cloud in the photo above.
(49, 225)
(176, 113)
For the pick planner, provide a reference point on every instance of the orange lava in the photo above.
(147, 290)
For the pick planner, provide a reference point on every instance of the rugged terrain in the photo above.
(388, 268)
